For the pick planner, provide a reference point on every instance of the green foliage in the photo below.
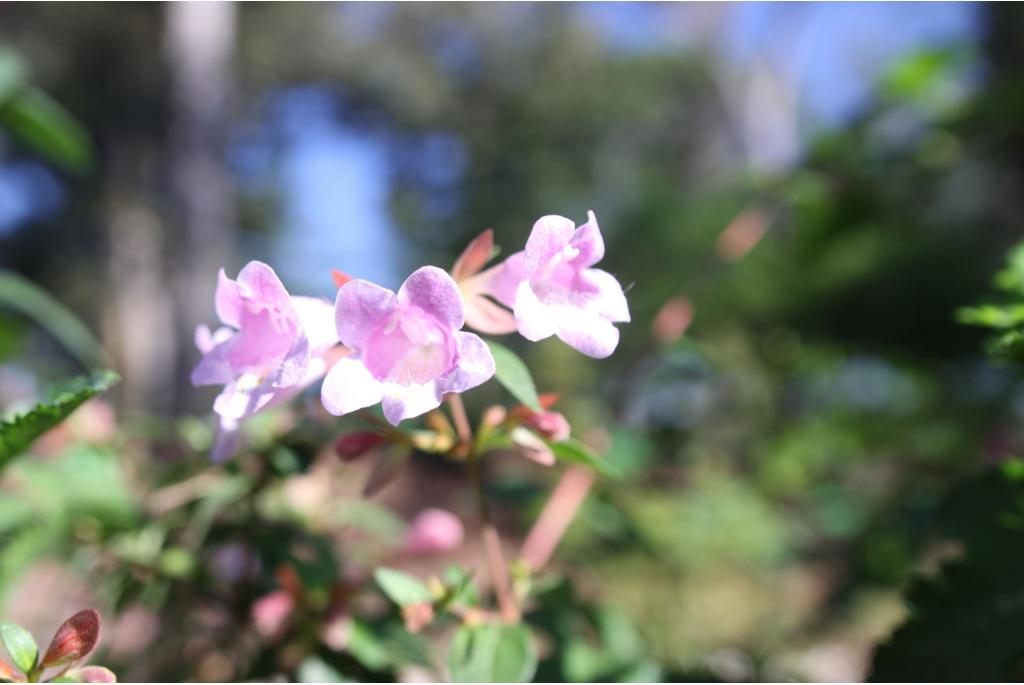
(401, 588)
(576, 452)
(27, 298)
(492, 654)
(17, 433)
(512, 373)
(966, 621)
(39, 121)
(20, 646)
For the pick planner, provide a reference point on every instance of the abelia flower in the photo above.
(271, 346)
(552, 288)
(408, 349)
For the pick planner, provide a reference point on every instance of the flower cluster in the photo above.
(404, 350)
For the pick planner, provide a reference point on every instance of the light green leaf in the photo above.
(576, 452)
(18, 433)
(20, 645)
(366, 648)
(492, 653)
(512, 373)
(401, 588)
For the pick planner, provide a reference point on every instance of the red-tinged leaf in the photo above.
(385, 469)
(354, 445)
(93, 674)
(487, 317)
(74, 639)
(475, 256)
(340, 278)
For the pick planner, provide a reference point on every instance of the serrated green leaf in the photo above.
(492, 653)
(576, 452)
(20, 645)
(512, 373)
(401, 588)
(18, 433)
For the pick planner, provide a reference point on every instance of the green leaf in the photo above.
(366, 648)
(20, 646)
(576, 452)
(492, 653)
(44, 125)
(18, 433)
(512, 373)
(401, 588)
(20, 294)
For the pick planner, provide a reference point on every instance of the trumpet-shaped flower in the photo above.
(270, 347)
(408, 349)
(553, 290)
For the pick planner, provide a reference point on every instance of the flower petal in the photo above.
(350, 386)
(475, 364)
(260, 283)
(503, 279)
(237, 401)
(317, 319)
(212, 369)
(225, 443)
(589, 242)
(589, 334)
(534, 319)
(406, 401)
(475, 256)
(549, 237)
(435, 292)
(361, 307)
(610, 300)
(487, 317)
(227, 300)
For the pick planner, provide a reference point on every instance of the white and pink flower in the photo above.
(270, 347)
(553, 289)
(408, 348)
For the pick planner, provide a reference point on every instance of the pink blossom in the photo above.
(434, 530)
(270, 613)
(270, 347)
(552, 289)
(408, 349)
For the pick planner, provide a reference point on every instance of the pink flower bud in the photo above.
(354, 445)
(433, 531)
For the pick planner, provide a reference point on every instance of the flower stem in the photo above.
(494, 557)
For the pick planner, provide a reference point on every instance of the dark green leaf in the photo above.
(576, 452)
(20, 645)
(512, 373)
(17, 434)
(492, 653)
(401, 588)
(42, 123)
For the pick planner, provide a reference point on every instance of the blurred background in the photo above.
(798, 196)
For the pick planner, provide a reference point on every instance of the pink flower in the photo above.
(270, 347)
(408, 349)
(432, 531)
(552, 289)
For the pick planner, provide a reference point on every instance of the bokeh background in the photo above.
(799, 198)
